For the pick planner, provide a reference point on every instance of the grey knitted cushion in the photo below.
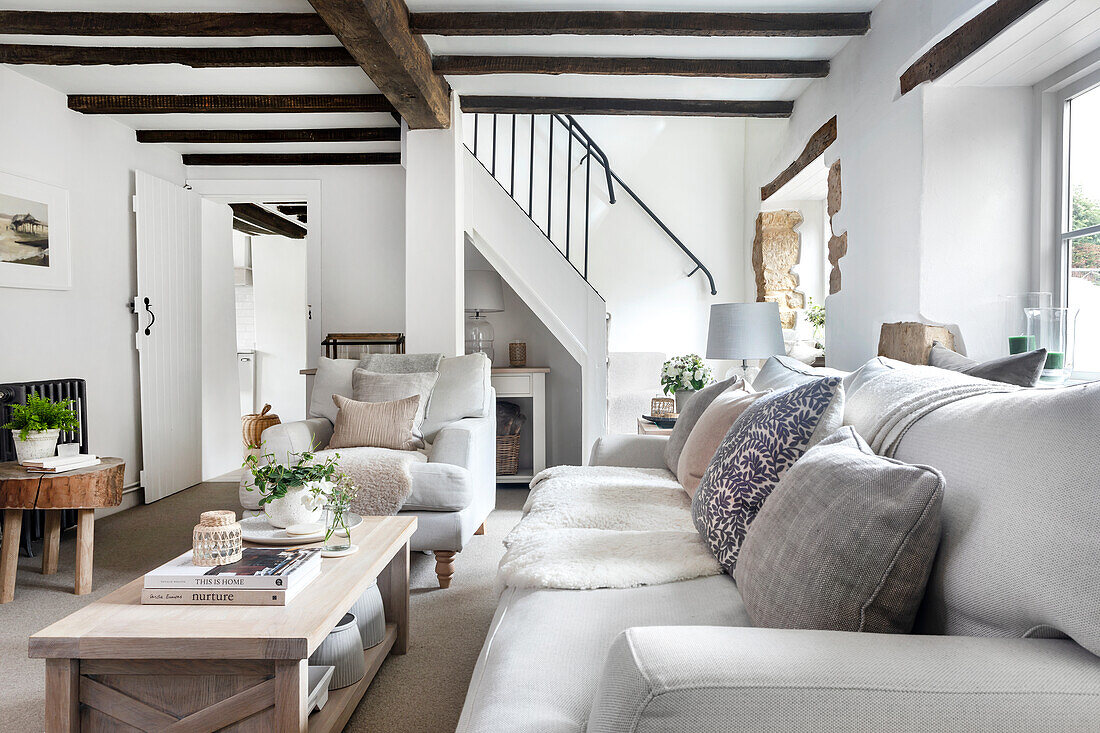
(692, 410)
(844, 543)
(1022, 370)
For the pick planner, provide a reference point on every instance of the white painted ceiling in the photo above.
(1046, 40)
(176, 79)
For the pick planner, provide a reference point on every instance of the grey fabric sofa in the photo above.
(1017, 572)
(454, 490)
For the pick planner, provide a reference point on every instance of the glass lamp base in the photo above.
(479, 336)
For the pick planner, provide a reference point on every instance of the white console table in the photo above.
(526, 383)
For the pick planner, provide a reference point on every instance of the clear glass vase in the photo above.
(1016, 319)
(337, 534)
(1054, 329)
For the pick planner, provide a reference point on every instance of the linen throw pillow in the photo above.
(375, 424)
(845, 542)
(695, 406)
(704, 439)
(1022, 370)
(374, 387)
(765, 441)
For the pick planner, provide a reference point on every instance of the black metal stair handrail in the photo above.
(590, 150)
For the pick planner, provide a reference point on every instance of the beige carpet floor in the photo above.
(422, 691)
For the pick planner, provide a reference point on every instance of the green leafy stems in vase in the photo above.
(273, 480)
(816, 315)
(337, 533)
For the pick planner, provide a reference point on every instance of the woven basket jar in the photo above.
(253, 426)
(216, 539)
(508, 455)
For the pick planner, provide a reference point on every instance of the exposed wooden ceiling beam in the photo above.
(606, 106)
(640, 23)
(376, 33)
(819, 141)
(292, 159)
(258, 216)
(629, 66)
(66, 23)
(972, 35)
(321, 135)
(298, 211)
(200, 58)
(144, 104)
(246, 228)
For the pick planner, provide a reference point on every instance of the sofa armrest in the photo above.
(632, 451)
(665, 678)
(295, 437)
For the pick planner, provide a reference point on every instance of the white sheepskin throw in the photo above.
(604, 527)
(382, 475)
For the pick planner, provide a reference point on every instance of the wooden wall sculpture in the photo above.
(838, 243)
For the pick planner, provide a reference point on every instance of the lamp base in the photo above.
(743, 370)
(479, 336)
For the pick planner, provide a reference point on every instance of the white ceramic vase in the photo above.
(40, 444)
(682, 397)
(298, 506)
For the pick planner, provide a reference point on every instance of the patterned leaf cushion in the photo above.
(844, 543)
(758, 449)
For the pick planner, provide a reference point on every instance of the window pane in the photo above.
(1084, 160)
(1084, 293)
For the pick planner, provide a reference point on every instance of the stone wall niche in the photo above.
(776, 249)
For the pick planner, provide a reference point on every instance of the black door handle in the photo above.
(152, 317)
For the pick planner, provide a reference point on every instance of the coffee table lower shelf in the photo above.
(342, 703)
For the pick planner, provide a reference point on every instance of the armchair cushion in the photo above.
(463, 390)
(439, 487)
(333, 377)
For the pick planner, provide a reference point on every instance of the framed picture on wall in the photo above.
(34, 235)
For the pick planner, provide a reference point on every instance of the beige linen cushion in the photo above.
(377, 387)
(712, 426)
(375, 424)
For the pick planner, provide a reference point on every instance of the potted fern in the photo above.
(39, 424)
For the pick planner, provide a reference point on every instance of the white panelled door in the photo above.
(169, 336)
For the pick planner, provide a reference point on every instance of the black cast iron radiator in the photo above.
(15, 393)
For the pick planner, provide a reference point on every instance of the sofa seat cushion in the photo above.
(561, 638)
(439, 487)
(1020, 535)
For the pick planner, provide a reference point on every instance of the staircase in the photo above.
(538, 180)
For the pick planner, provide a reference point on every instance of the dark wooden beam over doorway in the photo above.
(320, 135)
(609, 106)
(179, 25)
(640, 23)
(291, 159)
(819, 141)
(972, 35)
(632, 66)
(262, 218)
(376, 33)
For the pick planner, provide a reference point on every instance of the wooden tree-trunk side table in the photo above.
(84, 489)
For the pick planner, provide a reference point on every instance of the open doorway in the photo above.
(269, 326)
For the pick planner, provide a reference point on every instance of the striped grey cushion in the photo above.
(375, 424)
(844, 543)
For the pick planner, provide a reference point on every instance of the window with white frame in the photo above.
(1080, 217)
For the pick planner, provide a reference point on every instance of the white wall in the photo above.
(690, 172)
(86, 331)
(882, 148)
(279, 285)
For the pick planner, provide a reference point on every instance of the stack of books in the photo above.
(264, 576)
(60, 464)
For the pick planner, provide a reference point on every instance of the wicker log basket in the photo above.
(508, 455)
(253, 426)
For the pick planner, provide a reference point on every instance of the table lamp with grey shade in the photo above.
(744, 331)
(484, 294)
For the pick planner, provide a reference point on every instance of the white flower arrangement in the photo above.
(682, 373)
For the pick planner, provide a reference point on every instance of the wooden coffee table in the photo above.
(85, 489)
(209, 667)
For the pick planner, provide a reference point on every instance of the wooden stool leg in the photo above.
(444, 567)
(9, 553)
(481, 529)
(51, 543)
(85, 536)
